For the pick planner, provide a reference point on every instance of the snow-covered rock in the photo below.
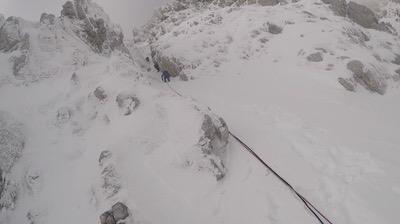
(93, 26)
(12, 143)
(211, 34)
(12, 36)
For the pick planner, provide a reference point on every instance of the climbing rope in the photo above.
(314, 211)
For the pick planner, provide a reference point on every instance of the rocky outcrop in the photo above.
(109, 177)
(213, 143)
(127, 103)
(168, 63)
(346, 84)
(366, 78)
(315, 57)
(48, 19)
(100, 94)
(358, 13)
(274, 29)
(96, 28)
(2, 20)
(12, 144)
(118, 212)
(12, 37)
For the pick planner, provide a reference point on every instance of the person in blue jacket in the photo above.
(165, 76)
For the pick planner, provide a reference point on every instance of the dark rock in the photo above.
(107, 218)
(97, 31)
(68, 10)
(18, 64)
(213, 143)
(315, 57)
(103, 156)
(167, 63)
(366, 78)
(12, 37)
(396, 60)
(362, 15)
(268, 2)
(127, 103)
(346, 84)
(11, 143)
(274, 29)
(100, 94)
(119, 211)
(48, 19)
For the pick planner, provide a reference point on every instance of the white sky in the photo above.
(124, 12)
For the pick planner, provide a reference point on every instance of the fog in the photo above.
(127, 13)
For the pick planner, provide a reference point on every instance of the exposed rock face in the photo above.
(96, 28)
(358, 13)
(168, 63)
(366, 78)
(274, 29)
(12, 144)
(118, 212)
(12, 37)
(48, 19)
(100, 94)
(110, 178)
(363, 16)
(127, 103)
(2, 20)
(315, 57)
(346, 84)
(213, 143)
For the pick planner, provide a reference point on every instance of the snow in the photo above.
(338, 148)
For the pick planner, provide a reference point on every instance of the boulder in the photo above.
(274, 29)
(346, 84)
(2, 20)
(94, 27)
(12, 144)
(213, 143)
(396, 60)
(107, 218)
(127, 103)
(170, 64)
(366, 78)
(110, 178)
(12, 37)
(48, 19)
(18, 64)
(363, 16)
(119, 211)
(100, 94)
(68, 10)
(315, 57)
(268, 2)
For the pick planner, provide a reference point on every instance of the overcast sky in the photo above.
(124, 12)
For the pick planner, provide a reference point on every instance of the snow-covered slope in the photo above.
(313, 87)
(277, 75)
(81, 128)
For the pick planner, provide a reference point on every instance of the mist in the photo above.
(127, 13)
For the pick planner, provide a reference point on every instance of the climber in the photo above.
(166, 77)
